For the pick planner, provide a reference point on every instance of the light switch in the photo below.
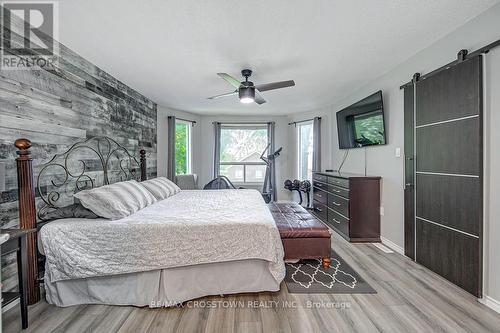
(398, 152)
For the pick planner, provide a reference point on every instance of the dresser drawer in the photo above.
(343, 192)
(338, 204)
(320, 196)
(320, 178)
(320, 210)
(342, 182)
(338, 222)
(323, 186)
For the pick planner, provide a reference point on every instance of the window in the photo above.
(182, 147)
(305, 150)
(240, 150)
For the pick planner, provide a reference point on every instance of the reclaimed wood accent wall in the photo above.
(56, 108)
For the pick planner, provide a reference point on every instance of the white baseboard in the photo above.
(393, 246)
(490, 302)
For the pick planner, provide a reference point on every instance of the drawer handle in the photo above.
(336, 221)
(319, 185)
(319, 209)
(319, 195)
(336, 204)
(336, 191)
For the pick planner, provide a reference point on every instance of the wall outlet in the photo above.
(382, 211)
(398, 152)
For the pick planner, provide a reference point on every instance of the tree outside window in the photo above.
(182, 147)
(305, 150)
(240, 149)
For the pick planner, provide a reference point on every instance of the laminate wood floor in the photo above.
(409, 298)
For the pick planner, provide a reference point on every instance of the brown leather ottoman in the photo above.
(303, 235)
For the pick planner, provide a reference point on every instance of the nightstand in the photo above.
(17, 243)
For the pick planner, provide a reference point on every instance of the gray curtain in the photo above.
(217, 127)
(316, 144)
(171, 148)
(272, 148)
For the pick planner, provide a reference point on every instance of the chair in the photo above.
(220, 183)
(187, 182)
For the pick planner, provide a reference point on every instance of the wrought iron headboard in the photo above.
(100, 161)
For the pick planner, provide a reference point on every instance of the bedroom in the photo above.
(404, 238)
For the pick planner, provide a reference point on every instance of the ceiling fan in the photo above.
(247, 91)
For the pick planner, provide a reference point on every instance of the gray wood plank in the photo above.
(56, 108)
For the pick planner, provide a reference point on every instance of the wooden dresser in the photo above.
(349, 204)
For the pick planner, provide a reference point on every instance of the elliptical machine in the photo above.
(267, 187)
(222, 182)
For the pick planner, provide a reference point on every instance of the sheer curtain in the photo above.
(271, 138)
(217, 127)
(316, 166)
(171, 148)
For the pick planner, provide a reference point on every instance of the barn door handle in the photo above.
(407, 158)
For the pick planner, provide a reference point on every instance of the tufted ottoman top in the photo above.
(293, 221)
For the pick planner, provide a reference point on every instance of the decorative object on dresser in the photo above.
(349, 204)
(303, 236)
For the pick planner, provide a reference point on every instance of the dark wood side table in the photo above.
(17, 243)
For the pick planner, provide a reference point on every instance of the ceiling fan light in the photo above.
(246, 94)
(246, 100)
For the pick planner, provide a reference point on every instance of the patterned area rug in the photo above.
(309, 277)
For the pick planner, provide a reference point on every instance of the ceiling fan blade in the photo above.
(223, 95)
(275, 85)
(231, 80)
(258, 98)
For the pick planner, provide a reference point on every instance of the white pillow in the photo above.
(161, 187)
(117, 200)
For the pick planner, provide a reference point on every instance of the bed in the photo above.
(190, 245)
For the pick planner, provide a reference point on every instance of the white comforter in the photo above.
(189, 228)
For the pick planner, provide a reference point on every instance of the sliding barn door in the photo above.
(448, 174)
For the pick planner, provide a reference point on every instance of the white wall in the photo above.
(492, 176)
(381, 161)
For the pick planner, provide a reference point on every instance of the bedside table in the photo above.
(17, 243)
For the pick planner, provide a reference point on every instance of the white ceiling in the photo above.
(171, 50)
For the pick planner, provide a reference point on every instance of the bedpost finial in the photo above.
(23, 145)
(142, 152)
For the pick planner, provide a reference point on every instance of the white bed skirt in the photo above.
(166, 287)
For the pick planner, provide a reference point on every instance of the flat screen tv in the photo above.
(362, 124)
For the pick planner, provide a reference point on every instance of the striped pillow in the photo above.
(117, 200)
(161, 187)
